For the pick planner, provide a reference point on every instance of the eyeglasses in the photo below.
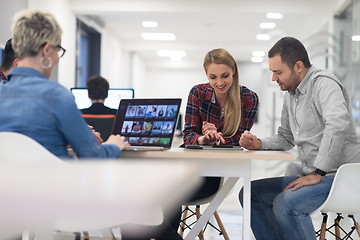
(61, 50)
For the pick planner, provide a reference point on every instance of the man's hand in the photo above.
(249, 141)
(308, 180)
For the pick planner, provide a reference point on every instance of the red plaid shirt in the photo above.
(2, 77)
(200, 108)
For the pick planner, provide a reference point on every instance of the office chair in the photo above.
(187, 209)
(343, 199)
(102, 123)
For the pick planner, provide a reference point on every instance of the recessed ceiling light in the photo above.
(159, 36)
(267, 25)
(272, 15)
(149, 24)
(171, 53)
(258, 53)
(355, 38)
(263, 37)
(257, 59)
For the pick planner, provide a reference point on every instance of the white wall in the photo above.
(67, 20)
(7, 12)
(113, 61)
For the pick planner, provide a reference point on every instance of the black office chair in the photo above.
(102, 123)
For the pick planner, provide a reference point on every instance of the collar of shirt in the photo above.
(24, 71)
(213, 98)
(305, 83)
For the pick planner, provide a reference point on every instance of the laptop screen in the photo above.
(147, 122)
(112, 101)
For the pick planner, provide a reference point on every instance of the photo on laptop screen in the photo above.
(147, 122)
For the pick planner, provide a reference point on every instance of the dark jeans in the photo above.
(168, 229)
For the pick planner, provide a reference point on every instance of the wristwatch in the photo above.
(319, 171)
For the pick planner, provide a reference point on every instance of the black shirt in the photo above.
(98, 108)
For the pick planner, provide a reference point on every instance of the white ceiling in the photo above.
(201, 25)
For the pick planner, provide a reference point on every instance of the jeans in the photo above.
(278, 215)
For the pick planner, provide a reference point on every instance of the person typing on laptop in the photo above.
(42, 109)
(98, 88)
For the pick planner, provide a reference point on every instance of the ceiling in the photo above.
(201, 25)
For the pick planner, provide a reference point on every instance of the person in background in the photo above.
(218, 112)
(8, 61)
(316, 117)
(98, 88)
(42, 109)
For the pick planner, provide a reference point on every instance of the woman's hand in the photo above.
(210, 135)
(96, 134)
(118, 141)
(207, 127)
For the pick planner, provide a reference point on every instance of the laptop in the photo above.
(147, 124)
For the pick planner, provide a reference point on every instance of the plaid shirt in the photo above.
(3, 79)
(200, 107)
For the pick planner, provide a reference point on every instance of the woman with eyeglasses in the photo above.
(44, 110)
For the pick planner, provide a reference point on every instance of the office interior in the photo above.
(104, 38)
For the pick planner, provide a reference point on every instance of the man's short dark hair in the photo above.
(290, 50)
(8, 57)
(97, 87)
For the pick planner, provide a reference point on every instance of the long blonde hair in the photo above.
(232, 116)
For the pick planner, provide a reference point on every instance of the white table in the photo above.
(89, 195)
(222, 163)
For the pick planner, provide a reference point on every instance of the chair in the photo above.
(16, 148)
(44, 193)
(187, 209)
(102, 123)
(344, 198)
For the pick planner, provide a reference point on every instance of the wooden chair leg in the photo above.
(183, 220)
(357, 227)
(337, 227)
(356, 224)
(221, 226)
(86, 235)
(323, 227)
(198, 215)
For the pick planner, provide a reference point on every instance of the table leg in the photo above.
(214, 204)
(247, 209)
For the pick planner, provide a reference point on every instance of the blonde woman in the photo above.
(43, 109)
(218, 112)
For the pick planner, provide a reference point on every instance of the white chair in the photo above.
(187, 208)
(16, 148)
(43, 193)
(343, 199)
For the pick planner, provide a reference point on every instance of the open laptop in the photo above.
(147, 124)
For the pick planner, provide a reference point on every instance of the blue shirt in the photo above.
(44, 110)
